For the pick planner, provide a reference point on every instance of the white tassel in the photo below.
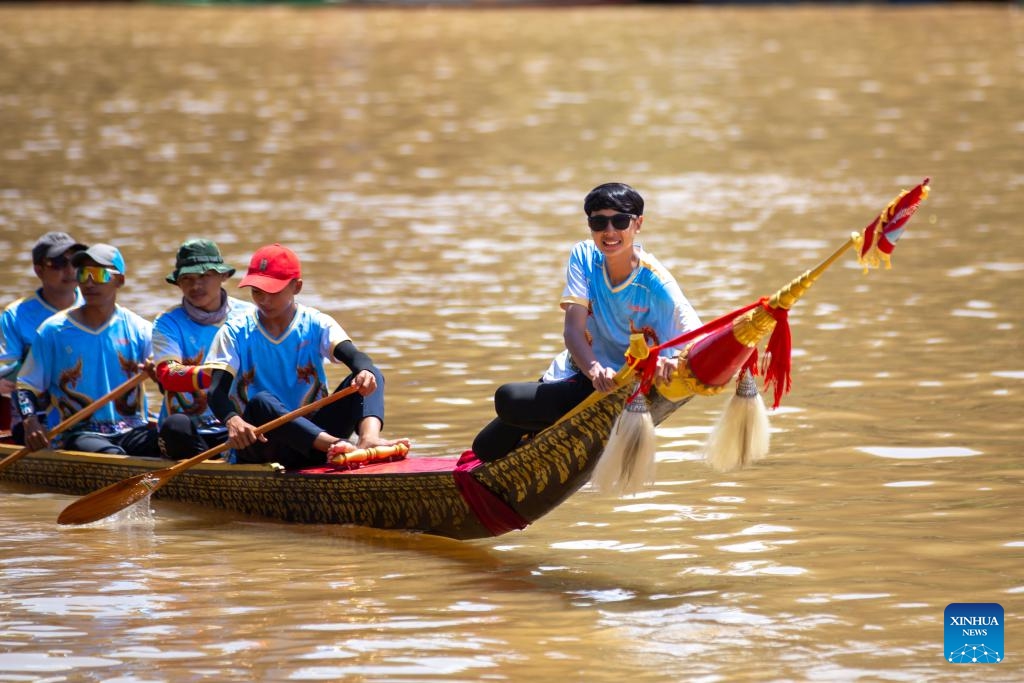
(742, 434)
(627, 463)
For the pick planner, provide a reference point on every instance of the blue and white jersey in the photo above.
(179, 338)
(18, 325)
(649, 301)
(290, 366)
(76, 364)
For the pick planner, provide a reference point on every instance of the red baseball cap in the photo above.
(271, 268)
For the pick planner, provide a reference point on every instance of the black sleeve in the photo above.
(355, 359)
(219, 395)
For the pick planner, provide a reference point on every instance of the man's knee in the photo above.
(506, 399)
(262, 408)
(176, 437)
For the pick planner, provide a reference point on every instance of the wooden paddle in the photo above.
(119, 495)
(78, 417)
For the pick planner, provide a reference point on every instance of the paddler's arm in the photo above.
(35, 433)
(575, 334)
(241, 434)
(8, 375)
(177, 377)
(366, 380)
(360, 364)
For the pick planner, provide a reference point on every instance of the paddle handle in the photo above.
(79, 416)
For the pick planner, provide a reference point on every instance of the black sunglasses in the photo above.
(58, 263)
(619, 221)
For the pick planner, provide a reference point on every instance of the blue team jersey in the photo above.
(18, 325)
(649, 301)
(290, 366)
(177, 337)
(75, 365)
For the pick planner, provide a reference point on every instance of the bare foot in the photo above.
(337, 447)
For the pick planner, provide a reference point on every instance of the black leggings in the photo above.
(291, 444)
(525, 408)
(180, 439)
(138, 441)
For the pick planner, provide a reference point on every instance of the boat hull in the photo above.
(436, 495)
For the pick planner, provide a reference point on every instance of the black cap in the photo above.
(52, 245)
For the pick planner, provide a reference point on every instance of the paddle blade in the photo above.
(111, 499)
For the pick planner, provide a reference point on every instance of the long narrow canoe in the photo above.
(454, 496)
(459, 496)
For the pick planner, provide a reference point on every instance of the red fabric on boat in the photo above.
(494, 513)
(405, 466)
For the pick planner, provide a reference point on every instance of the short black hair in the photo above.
(618, 196)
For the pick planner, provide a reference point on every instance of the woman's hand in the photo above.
(666, 368)
(601, 377)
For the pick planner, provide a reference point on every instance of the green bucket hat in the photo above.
(198, 256)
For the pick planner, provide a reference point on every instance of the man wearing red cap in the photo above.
(271, 362)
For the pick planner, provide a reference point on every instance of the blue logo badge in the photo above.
(974, 633)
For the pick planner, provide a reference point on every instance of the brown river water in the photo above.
(429, 166)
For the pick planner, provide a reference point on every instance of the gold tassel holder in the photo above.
(742, 434)
(627, 463)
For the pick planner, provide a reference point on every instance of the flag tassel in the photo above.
(742, 434)
(627, 464)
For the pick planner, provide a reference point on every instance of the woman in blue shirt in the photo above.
(613, 289)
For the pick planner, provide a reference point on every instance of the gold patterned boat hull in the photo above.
(418, 494)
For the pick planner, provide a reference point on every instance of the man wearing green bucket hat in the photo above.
(181, 338)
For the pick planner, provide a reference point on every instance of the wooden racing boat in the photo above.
(459, 496)
(437, 495)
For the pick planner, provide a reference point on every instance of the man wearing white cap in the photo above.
(51, 261)
(83, 354)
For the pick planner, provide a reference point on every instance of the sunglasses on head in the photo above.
(619, 221)
(58, 263)
(98, 274)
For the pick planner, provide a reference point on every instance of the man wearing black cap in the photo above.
(84, 353)
(181, 338)
(51, 261)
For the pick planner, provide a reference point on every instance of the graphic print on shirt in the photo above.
(240, 397)
(129, 403)
(650, 336)
(70, 401)
(307, 374)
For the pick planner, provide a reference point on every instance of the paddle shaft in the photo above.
(119, 495)
(79, 416)
(262, 429)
